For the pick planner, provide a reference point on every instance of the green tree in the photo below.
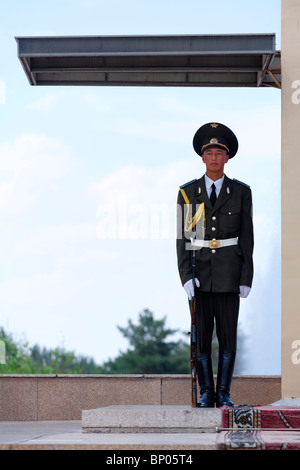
(59, 361)
(22, 359)
(150, 352)
(18, 358)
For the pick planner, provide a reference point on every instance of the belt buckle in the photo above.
(214, 244)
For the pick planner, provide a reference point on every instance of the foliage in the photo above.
(21, 359)
(150, 352)
(18, 360)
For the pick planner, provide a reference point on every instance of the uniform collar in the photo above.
(218, 184)
(224, 196)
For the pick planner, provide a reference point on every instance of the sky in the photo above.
(89, 179)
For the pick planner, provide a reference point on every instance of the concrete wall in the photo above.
(63, 397)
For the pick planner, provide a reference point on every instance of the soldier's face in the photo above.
(215, 158)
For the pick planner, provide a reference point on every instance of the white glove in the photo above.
(189, 287)
(244, 291)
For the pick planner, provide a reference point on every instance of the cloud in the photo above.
(46, 102)
(65, 244)
(138, 201)
(144, 184)
(27, 165)
(52, 288)
(52, 239)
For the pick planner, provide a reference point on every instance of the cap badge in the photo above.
(214, 141)
(214, 125)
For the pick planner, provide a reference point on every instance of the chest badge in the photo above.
(228, 190)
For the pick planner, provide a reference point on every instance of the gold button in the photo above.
(213, 251)
(214, 218)
(213, 229)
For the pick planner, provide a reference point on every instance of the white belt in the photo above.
(212, 244)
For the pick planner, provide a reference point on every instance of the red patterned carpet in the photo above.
(260, 427)
(258, 440)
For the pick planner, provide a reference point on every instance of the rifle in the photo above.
(194, 339)
(193, 352)
(197, 222)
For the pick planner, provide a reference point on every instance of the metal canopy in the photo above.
(196, 60)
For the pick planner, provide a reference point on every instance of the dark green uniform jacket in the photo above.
(221, 269)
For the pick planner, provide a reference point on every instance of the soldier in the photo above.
(223, 257)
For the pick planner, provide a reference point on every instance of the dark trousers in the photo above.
(222, 308)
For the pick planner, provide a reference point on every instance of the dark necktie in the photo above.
(213, 195)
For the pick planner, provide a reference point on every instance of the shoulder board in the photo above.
(187, 184)
(240, 182)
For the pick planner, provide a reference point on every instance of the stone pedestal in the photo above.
(160, 419)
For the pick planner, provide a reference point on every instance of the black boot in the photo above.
(225, 371)
(206, 381)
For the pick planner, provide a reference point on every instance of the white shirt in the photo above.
(218, 184)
